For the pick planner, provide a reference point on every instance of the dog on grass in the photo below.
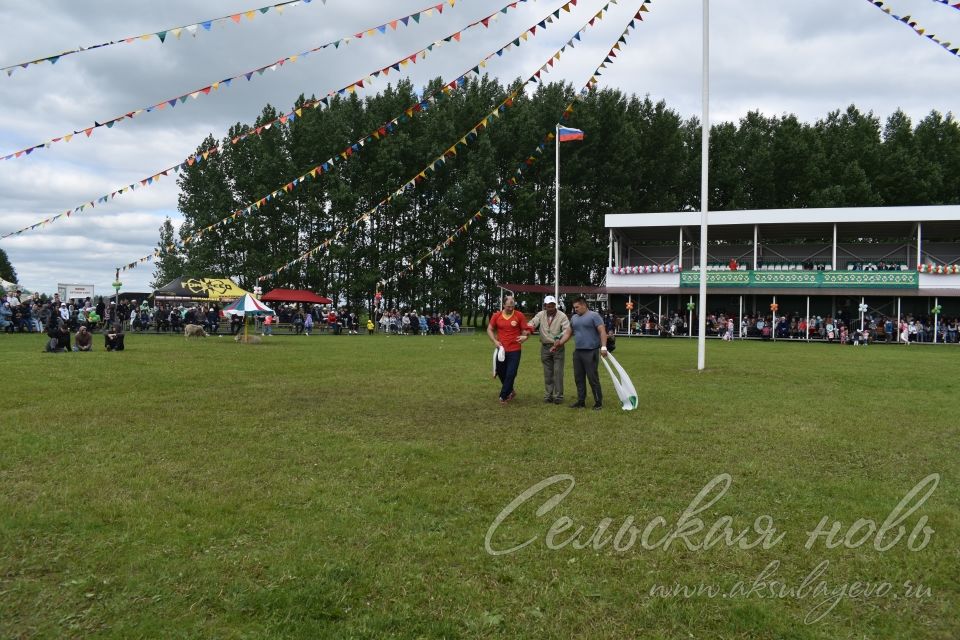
(194, 331)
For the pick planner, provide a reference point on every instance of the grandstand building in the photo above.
(897, 260)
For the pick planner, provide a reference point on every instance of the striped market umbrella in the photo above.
(247, 305)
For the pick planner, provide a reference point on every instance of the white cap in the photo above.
(549, 300)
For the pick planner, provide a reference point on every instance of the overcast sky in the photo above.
(806, 58)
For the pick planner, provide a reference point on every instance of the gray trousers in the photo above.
(585, 363)
(552, 371)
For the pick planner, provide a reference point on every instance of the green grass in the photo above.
(340, 487)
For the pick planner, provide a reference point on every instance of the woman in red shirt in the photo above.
(508, 329)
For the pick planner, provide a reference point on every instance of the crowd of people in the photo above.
(394, 321)
(69, 326)
(839, 329)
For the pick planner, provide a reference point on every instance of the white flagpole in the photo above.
(704, 191)
(556, 197)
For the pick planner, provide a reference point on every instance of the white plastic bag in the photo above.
(499, 355)
(621, 383)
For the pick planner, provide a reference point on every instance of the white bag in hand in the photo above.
(499, 355)
(621, 383)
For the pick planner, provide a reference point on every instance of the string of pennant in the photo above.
(529, 161)
(191, 29)
(920, 31)
(297, 112)
(381, 132)
(433, 166)
(274, 66)
(955, 5)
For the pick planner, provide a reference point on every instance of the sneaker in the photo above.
(558, 400)
(548, 400)
(597, 407)
(577, 405)
(513, 394)
(503, 402)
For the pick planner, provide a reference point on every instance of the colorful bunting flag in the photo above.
(920, 31)
(161, 35)
(388, 127)
(312, 104)
(513, 181)
(226, 82)
(438, 162)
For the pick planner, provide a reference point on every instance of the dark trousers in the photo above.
(585, 363)
(507, 372)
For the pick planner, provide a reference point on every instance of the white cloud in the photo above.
(805, 58)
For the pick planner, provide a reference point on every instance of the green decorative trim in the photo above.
(805, 279)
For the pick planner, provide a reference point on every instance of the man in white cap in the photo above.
(552, 326)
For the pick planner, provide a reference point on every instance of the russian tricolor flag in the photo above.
(567, 134)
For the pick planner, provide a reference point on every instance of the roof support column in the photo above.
(680, 258)
(919, 240)
(756, 235)
(610, 251)
(833, 263)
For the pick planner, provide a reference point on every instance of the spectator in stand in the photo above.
(308, 323)
(6, 317)
(332, 322)
(297, 322)
(83, 340)
(213, 320)
(93, 320)
(176, 320)
(354, 322)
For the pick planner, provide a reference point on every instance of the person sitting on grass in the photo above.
(113, 339)
(58, 337)
(83, 340)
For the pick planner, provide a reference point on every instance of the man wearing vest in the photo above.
(552, 325)
(508, 329)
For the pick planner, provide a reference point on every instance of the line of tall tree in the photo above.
(638, 155)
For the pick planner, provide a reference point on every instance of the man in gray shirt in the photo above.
(591, 338)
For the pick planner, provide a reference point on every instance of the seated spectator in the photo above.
(113, 339)
(93, 320)
(6, 318)
(58, 338)
(83, 340)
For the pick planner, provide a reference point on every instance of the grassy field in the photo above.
(342, 487)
